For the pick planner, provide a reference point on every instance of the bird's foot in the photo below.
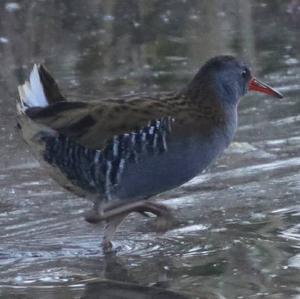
(107, 247)
(165, 219)
(109, 231)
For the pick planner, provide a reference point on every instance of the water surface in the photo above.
(239, 235)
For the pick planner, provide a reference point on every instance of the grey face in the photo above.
(231, 79)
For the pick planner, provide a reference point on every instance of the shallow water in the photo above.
(239, 233)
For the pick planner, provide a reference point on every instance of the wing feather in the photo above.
(92, 124)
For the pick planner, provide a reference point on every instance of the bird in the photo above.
(122, 152)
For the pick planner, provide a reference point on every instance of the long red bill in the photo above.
(259, 86)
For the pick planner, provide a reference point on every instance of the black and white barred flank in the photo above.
(101, 170)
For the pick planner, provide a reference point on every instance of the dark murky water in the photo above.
(240, 232)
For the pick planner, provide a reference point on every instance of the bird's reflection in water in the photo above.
(119, 283)
(116, 269)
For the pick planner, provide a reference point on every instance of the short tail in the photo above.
(40, 91)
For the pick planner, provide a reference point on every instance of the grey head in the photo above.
(224, 79)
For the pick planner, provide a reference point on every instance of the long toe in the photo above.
(165, 219)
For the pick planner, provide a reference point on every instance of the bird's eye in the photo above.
(244, 73)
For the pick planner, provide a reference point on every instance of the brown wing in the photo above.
(92, 124)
